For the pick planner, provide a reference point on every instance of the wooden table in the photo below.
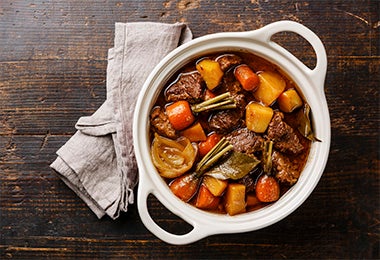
(52, 71)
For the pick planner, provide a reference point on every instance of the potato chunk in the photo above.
(270, 87)
(215, 186)
(235, 199)
(258, 117)
(211, 72)
(289, 100)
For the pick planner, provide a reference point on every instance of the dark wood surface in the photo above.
(52, 71)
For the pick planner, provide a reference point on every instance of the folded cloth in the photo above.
(98, 161)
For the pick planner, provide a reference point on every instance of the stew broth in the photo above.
(274, 157)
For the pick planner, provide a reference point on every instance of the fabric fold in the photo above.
(100, 123)
(98, 161)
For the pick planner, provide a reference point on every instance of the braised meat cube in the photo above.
(249, 182)
(240, 101)
(245, 141)
(230, 84)
(227, 61)
(283, 135)
(160, 122)
(227, 120)
(250, 179)
(286, 170)
(189, 86)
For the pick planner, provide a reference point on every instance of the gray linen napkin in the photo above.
(98, 161)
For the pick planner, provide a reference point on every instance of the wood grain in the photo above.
(52, 71)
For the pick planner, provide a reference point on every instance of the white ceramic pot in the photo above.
(311, 83)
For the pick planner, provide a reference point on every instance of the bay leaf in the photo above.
(304, 123)
(235, 167)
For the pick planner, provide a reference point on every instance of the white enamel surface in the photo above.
(311, 83)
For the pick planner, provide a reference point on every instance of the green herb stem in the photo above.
(220, 149)
(223, 101)
(267, 157)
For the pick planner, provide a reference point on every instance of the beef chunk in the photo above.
(250, 179)
(226, 120)
(189, 86)
(286, 170)
(245, 141)
(248, 182)
(160, 121)
(240, 101)
(283, 135)
(228, 60)
(230, 84)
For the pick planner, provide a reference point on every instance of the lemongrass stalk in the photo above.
(221, 143)
(214, 103)
(215, 158)
(219, 150)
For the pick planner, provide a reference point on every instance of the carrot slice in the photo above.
(252, 200)
(209, 94)
(205, 199)
(267, 189)
(185, 186)
(247, 78)
(206, 146)
(195, 133)
(180, 114)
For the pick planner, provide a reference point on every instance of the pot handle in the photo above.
(197, 233)
(317, 74)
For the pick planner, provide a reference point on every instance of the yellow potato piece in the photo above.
(258, 117)
(270, 87)
(211, 72)
(214, 185)
(289, 100)
(235, 199)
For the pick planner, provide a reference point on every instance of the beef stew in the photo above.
(228, 133)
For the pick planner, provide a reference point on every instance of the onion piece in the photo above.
(173, 158)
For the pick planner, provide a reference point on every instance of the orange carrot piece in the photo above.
(247, 78)
(267, 189)
(206, 146)
(185, 186)
(205, 199)
(209, 94)
(180, 114)
(195, 133)
(252, 200)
